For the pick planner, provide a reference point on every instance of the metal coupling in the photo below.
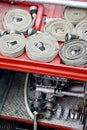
(59, 112)
(48, 115)
(2, 32)
(32, 31)
(66, 113)
(33, 11)
(12, 1)
(71, 37)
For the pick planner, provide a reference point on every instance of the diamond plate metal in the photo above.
(15, 107)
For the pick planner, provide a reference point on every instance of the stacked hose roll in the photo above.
(74, 15)
(17, 20)
(58, 28)
(81, 30)
(42, 47)
(12, 45)
(74, 53)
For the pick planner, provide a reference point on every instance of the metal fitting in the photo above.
(46, 20)
(33, 11)
(71, 37)
(12, 1)
(15, 32)
(59, 112)
(48, 115)
(66, 113)
(32, 31)
(49, 105)
(2, 32)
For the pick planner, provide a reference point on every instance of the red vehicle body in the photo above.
(24, 64)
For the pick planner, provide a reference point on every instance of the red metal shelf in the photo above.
(39, 123)
(23, 63)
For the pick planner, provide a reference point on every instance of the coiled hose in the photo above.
(81, 30)
(58, 28)
(12, 45)
(42, 47)
(74, 53)
(74, 15)
(17, 20)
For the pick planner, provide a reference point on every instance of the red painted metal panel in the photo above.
(39, 123)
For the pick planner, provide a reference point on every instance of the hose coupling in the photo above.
(33, 11)
(71, 37)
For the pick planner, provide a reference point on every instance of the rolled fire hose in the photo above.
(12, 45)
(18, 20)
(58, 28)
(74, 15)
(42, 47)
(74, 53)
(81, 30)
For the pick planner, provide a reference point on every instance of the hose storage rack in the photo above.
(23, 63)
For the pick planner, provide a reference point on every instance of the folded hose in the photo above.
(42, 47)
(74, 15)
(74, 53)
(81, 30)
(18, 20)
(58, 28)
(12, 45)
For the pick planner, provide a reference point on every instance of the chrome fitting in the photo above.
(33, 11)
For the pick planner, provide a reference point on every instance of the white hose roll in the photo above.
(81, 30)
(74, 15)
(42, 47)
(12, 45)
(17, 19)
(74, 53)
(58, 28)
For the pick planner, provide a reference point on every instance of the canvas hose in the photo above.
(12, 45)
(42, 47)
(74, 53)
(58, 28)
(18, 20)
(81, 30)
(74, 15)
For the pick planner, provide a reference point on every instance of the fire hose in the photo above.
(58, 28)
(74, 15)
(42, 47)
(18, 20)
(81, 30)
(74, 53)
(12, 45)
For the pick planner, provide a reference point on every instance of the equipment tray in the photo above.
(23, 63)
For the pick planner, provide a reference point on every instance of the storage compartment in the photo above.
(57, 108)
(23, 63)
